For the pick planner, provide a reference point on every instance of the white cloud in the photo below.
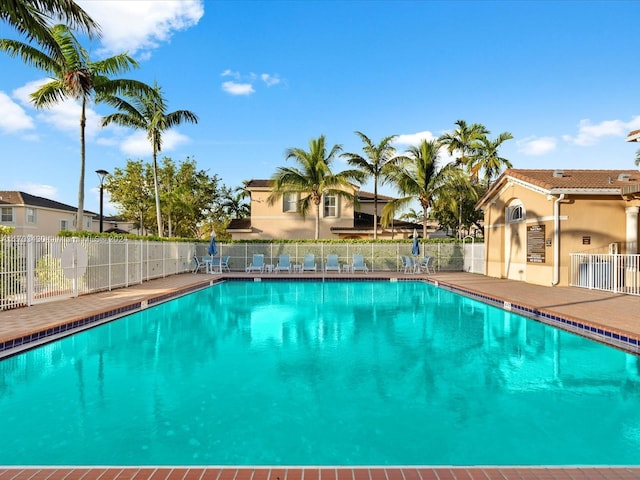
(63, 116)
(589, 134)
(270, 80)
(138, 26)
(243, 84)
(536, 145)
(37, 189)
(235, 88)
(138, 143)
(413, 139)
(13, 118)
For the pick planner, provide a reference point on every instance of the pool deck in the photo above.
(605, 314)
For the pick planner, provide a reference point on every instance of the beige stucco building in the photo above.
(32, 215)
(535, 219)
(338, 217)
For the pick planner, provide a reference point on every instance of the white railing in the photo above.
(36, 269)
(378, 256)
(608, 272)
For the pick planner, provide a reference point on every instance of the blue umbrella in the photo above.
(212, 244)
(415, 249)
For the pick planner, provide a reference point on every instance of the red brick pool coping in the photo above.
(321, 473)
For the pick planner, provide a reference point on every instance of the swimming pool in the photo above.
(312, 373)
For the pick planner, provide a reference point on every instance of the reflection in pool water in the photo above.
(312, 373)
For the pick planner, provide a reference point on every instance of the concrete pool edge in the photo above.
(71, 326)
(13, 345)
(608, 336)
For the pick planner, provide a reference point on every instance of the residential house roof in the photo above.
(8, 197)
(363, 196)
(555, 182)
(634, 136)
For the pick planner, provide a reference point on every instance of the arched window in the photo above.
(515, 212)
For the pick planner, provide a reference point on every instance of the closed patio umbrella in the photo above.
(212, 244)
(415, 249)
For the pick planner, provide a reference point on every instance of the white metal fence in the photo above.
(36, 269)
(609, 272)
(377, 256)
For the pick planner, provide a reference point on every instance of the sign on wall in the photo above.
(535, 244)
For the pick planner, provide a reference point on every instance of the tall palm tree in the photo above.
(32, 18)
(147, 110)
(376, 164)
(314, 178)
(464, 140)
(74, 76)
(487, 158)
(416, 174)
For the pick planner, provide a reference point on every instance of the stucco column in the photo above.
(632, 229)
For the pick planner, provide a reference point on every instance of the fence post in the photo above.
(141, 257)
(30, 269)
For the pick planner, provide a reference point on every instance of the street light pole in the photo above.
(101, 175)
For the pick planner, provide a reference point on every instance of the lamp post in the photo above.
(101, 175)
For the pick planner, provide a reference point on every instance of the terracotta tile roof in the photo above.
(575, 179)
(634, 136)
(567, 181)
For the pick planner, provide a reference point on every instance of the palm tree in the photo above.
(147, 110)
(464, 139)
(31, 18)
(487, 158)
(416, 174)
(314, 179)
(376, 165)
(637, 158)
(412, 215)
(74, 76)
(233, 201)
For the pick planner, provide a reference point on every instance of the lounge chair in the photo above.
(309, 263)
(220, 263)
(257, 264)
(284, 263)
(358, 263)
(332, 264)
(427, 265)
(409, 265)
(198, 264)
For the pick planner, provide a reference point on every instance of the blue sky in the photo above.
(263, 76)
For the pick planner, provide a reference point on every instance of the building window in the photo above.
(88, 223)
(6, 215)
(515, 213)
(330, 206)
(290, 202)
(64, 225)
(31, 215)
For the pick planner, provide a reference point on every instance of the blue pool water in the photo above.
(308, 373)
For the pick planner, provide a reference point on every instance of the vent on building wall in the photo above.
(558, 173)
(624, 177)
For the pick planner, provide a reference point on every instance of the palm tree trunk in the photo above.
(155, 187)
(317, 202)
(80, 212)
(425, 218)
(375, 209)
